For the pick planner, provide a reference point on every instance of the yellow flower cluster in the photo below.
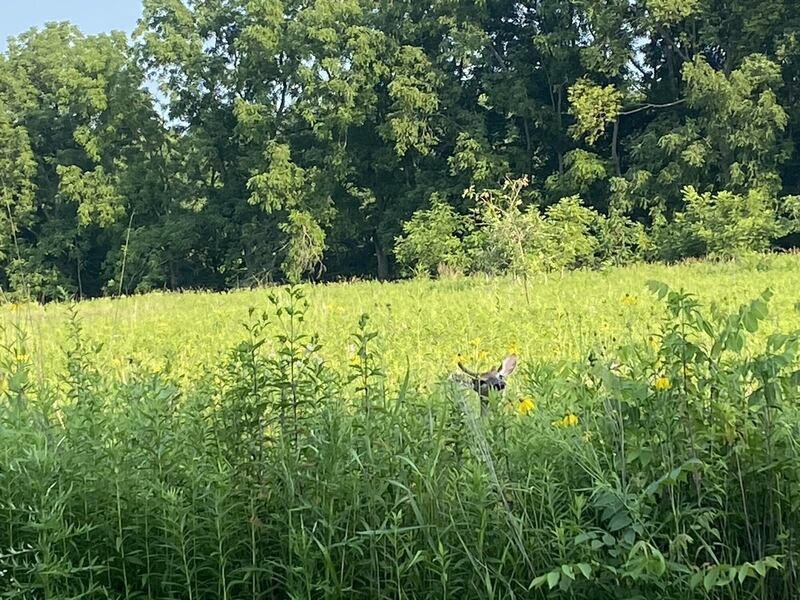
(21, 357)
(629, 300)
(525, 406)
(663, 384)
(569, 420)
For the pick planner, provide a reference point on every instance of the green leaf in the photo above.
(553, 578)
(584, 537)
(696, 579)
(750, 322)
(585, 569)
(736, 341)
(629, 536)
(744, 571)
(621, 520)
(538, 582)
(710, 579)
(659, 289)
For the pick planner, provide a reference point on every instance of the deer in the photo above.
(485, 383)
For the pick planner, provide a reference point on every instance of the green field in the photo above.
(426, 323)
(182, 446)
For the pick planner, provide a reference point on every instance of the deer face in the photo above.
(484, 383)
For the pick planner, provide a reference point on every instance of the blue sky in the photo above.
(91, 16)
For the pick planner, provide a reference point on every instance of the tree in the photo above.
(79, 103)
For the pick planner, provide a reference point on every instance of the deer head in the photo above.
(484, 383)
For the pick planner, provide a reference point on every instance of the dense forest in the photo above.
(231, 142)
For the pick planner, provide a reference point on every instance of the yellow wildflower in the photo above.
(663, 384)
(4, 387)
(629, 300)
(513, 349)
(21, 357)
(525, 406)
(569, 420)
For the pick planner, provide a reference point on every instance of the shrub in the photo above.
(512, 236)
(505, 230)
(723, 224)
(431, 240)
(622, 241)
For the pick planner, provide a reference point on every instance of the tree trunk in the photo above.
(80, 282)
(560, 129)
(173, 276)
(614, 152)
(383, 260)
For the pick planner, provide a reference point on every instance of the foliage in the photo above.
(594, 108)
(664, 466)
(431, 240)
(512, 237)
(295, 139)
(722, 225)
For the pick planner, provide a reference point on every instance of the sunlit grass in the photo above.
(422, 324)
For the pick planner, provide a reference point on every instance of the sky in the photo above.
(91, 16)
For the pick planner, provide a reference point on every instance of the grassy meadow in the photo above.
(273, 443)
(420, 324)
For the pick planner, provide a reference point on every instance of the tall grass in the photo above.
(424, 323)
(271, 474)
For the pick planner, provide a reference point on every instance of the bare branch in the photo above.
(650, 105)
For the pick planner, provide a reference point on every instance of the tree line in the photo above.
(334, 138)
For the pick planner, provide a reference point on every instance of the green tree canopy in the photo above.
(297, 138)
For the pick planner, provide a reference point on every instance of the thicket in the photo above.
(509, 231)
(295, 139)
(662, 469)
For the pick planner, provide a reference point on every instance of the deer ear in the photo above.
(508, 366)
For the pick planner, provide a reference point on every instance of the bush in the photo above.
(720, 225)
(512, 236)
(431, 240)
(505, 229)
(622, 241)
